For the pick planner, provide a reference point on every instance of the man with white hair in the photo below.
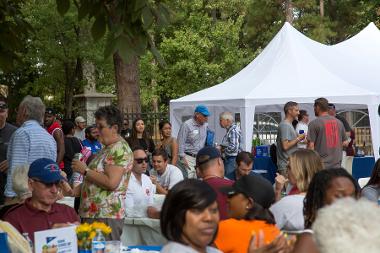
(230, 146)
(29, 142)
(80, 126)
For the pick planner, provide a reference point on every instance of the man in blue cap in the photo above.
(41, 212)
(192, 138)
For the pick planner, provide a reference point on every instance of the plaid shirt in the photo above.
(232, 140)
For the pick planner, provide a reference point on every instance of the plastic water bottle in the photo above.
(26, 236)
(99, 242)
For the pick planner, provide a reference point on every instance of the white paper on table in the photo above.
(58, 240)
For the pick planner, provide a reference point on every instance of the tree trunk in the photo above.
(322, 8)
(289, 11)
(127, 84)
(72, 79)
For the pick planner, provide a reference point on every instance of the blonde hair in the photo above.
(304, 163)
(20, 181)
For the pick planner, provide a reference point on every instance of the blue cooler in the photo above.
(262, 151)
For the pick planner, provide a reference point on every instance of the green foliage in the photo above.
(199, 49)
(128, 23)
(13, 31)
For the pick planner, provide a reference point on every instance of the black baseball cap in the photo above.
(331, 106)
(51, 111)
(206, 154)
(255, 187)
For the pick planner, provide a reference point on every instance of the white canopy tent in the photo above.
(287, 69)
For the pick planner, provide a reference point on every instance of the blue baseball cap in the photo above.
(203, 110)
(46, 170)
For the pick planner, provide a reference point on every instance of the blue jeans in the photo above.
(229, 164)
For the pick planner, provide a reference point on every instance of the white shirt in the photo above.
(288, 213)
(169, 178)
(139, 196)
(80, 134)
(304, 127)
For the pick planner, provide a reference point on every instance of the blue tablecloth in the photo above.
(362, 166)
(265, 167)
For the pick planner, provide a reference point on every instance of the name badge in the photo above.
(195, 131)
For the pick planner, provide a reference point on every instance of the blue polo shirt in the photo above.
(95, 146)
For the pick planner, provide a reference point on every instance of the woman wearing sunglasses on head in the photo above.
(105, 179)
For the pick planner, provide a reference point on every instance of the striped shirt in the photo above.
(191, 137)
(232, 141)
(27, 144)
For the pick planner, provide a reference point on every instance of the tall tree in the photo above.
(128, 23)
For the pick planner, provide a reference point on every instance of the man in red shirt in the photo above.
(41, 212)
(55, 130)
(210, 168)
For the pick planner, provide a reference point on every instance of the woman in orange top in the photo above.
(249, 199)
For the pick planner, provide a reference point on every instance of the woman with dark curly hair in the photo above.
(325, 188)
(189, 218)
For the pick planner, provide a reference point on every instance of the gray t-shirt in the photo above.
(288, 213)
(371, 192)
(327, 133)
(175, 247)
(285, 131)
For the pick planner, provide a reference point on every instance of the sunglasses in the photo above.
(141, 160)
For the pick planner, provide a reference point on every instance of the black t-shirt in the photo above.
(5, 135)
(72, 146)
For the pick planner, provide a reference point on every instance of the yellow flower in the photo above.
(92, 235)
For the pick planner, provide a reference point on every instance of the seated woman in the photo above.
(249, 199)
(371, 190)
(189, 218)
(325, 188)
(302, 166)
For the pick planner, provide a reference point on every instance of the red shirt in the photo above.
(51, 129)
(216, 183)
(27, 219)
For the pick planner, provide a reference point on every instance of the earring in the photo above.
(247, 207)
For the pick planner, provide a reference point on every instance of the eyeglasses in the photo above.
(141, 160)
(48, 185)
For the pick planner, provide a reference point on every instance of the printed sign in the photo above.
(59, 240)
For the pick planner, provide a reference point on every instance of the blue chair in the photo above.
(362, 166)
(265, 167)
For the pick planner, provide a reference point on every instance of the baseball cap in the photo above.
(255, 187)
(51, 111)
(79, 119)
(202, 109)
(46, 170)
(206, 154)
(331, 106)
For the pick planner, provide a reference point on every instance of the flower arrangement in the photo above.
(86, 232)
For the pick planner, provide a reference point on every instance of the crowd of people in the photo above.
(214, 201)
